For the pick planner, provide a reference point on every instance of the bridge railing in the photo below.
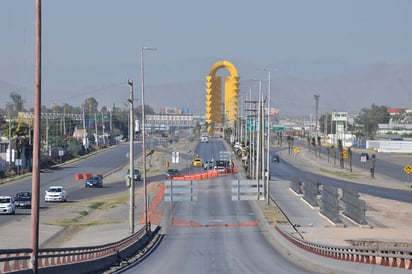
(396, 257)
(77, 259)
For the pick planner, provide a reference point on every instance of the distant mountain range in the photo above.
(341, 87)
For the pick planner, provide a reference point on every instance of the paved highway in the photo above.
(211, 235)
(215, 235)
(100, 163)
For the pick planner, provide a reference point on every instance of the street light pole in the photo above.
(316, 97)
(147, 225)
(268, 144)
(131, 161)
(268, 137)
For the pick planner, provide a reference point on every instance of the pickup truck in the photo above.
(23, 199)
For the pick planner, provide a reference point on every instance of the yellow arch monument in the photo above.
(215, 113)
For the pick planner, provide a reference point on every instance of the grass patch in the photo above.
(341, 174)
(64, 222)
(96, 205)
(83, 213)
(85, 223)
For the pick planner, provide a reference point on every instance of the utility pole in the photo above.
(36, 141)
(316, 97)
(131, 161)
(85, 141)
(95, 128)
(252, 168)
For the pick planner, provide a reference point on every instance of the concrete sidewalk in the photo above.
(389, 221)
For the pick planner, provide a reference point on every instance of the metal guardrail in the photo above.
(396, 257)
(77, 259)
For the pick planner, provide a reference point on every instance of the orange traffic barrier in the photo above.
(86, 175)
(78, 176)
(213, 173)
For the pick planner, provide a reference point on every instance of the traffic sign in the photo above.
(278, 128)
(407, 169)
(175, 157)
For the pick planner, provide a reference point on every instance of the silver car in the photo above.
(56, 194)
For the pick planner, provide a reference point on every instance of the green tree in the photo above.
(18, 104)
(90, 105)
(147, 111)
(369, 119)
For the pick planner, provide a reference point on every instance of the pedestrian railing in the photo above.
(397, 257)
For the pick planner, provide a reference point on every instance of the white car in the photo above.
(7, 205)
(56, 194)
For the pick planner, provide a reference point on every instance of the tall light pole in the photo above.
(268, 133)
(268, 141)
(147, 225)
(131, 161)
(316, 97)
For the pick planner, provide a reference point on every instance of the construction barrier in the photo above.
(78, 176)
(201, 176)
(86, 175)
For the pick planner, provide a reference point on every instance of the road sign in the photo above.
(278, 128)
(175, 157)
(407, 169)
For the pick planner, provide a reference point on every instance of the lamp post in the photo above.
(147, 225)
(9, 146)
(268, 143)
(316, 97)
(268, 137)
(131, 162)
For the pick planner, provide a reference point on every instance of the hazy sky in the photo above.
(90, 33)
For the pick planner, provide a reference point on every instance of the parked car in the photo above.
(136, 174)
(197, 162)
(94, 181)
(364, 155)
(23, 199)
(7, 205)
(221, 166)
(55, 194)
(208, 165)
(172, 172)
(275, 158)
